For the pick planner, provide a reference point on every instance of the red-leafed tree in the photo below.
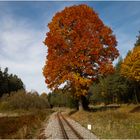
(80, 49)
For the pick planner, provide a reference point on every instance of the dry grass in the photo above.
(22, 126)
(119, 123)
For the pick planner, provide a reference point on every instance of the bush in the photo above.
(23, 100)
(62, 100)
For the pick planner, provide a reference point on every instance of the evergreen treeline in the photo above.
(9, 82)
(113, 89)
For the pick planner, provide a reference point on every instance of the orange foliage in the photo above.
(80, 48)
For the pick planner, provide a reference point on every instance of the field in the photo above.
(22, 124)
(119, 123)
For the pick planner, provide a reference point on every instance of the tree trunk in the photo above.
(81, 108)
(136, 98)
(83, 103)
(136, 90)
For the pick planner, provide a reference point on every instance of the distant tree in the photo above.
(130, 69)
(80, 49)
(23, 100)
(138, 40)
(9, 82)
(44, 95)
(112, 89)
(34, 92)
(58, 98)
(131, 65)
(118, 65)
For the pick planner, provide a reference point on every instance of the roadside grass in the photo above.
(121, 123)
(23, 125)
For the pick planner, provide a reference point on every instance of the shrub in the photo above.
(23, 100)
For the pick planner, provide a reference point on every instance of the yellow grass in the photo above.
(23, 125)
(118, 123)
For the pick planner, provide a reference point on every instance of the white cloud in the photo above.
(22, 51)
(125, 42)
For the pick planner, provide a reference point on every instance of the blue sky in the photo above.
(23, 26)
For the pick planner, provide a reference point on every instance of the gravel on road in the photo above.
(52, 129)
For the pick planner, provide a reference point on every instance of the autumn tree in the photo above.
(131, 65)
(80, 49)
(130, 68)
(44, 95)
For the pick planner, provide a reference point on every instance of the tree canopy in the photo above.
(80, 49)
(131, 65)
(9, 82)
